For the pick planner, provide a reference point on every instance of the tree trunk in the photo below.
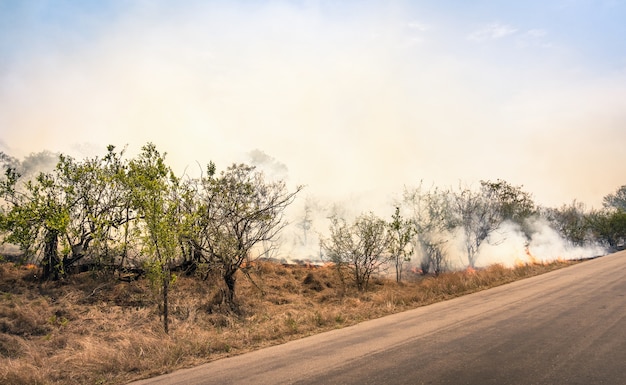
(52, 268)
(230, 280)
(166, 286)
(398, 270)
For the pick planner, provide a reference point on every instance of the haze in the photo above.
(352, 99)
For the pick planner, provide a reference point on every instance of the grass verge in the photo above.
(94, 329)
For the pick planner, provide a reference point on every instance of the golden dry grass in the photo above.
(92, 328)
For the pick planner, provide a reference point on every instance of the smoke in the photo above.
(271, 167)
(509, 246)
(546, 245)
(355, 98)
(32, 164)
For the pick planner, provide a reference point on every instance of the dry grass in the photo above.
(92, 328)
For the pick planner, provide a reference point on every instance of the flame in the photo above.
(532, 260)
(30, 266)
(470, 270)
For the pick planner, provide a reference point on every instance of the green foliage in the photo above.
(95, 207)
(570, 221)
(56, 217)
(153, 190)
(34, 215)
(401, 232)
(616, 200)
(513, 204)
(609, 227)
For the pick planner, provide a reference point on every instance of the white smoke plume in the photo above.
(509, 246)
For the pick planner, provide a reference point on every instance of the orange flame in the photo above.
(532, 260)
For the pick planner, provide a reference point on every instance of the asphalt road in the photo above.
(563, 327)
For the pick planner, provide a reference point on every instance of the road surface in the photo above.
(564, 327)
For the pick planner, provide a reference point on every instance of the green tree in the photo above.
(238, 211)
(512, 203)
(609, 227)
(100, 208)
(155, 195)
(56, 217)
(191, 240)
(361, 247)
(401, 232)
(35, 218)
(570, 221)
(616, 200)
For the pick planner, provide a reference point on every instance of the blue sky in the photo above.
(357, 99)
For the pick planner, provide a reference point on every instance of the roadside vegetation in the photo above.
(92, 328)
(116, 269)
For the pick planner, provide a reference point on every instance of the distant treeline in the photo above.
(135, 214)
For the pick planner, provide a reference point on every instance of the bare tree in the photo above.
(238, 211)
(361, 247)
(431, 218)
(480, 213)
(478, 217)
(306, 222)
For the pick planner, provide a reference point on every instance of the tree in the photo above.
(189, 193)
(477, 217)
(154, 193)
(361, 247)
(609, 227)
(480, 213)
(432, 218)
(570, 221)
(35, 217)
(512, 203)
(100, 208)
(306, 221)
(616, 200)
(401, 232)
(61, 214)
(238, 211)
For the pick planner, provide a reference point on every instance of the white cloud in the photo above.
(536, 33)
(418, 26)
(492, 31)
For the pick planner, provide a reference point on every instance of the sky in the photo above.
(354, 99)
